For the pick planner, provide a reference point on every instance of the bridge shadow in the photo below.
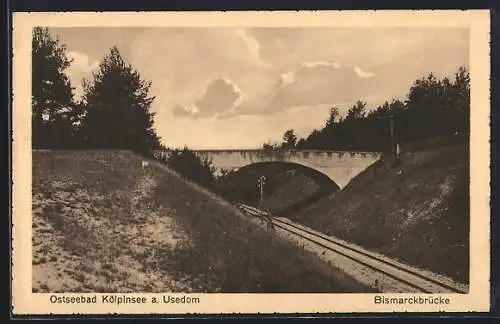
(241, 185)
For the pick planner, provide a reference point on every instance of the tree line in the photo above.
(432, 108)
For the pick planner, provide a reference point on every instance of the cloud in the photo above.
(219, 98)
(362, 74)
(311, 85)
(287, 77)
(335, 65)
(319, 83)
(181, 111)
(182, 61)
(81, 61)
(192, 56)
(251, 44)
(279, 45)
(80, 68)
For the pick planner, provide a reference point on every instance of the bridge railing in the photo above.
(278, 153)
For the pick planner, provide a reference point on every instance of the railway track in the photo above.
(382, 267)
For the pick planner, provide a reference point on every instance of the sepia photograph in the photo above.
(181, 160)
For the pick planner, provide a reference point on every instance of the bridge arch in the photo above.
(289, 187)
(321, 179)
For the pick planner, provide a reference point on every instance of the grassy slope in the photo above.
(101, 223)
(421, 217)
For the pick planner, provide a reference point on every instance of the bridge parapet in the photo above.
(304, 153)
(283, 152)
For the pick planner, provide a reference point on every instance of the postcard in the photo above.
(251, 162)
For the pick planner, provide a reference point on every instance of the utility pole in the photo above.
(260, 184)
(391, 122)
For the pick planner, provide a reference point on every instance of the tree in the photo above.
(52, 98)
(357, 111)
(118, 106)
(193, 167)
(460, 97)
(289, 139)
(270, 147)
(333, 117)
(301, 143)
(273, 151)
(437, 107)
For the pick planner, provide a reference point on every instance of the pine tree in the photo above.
(460, 97)
(118, 106)
(356, 112)
(52, 97)
(289, 139)
(333, 117)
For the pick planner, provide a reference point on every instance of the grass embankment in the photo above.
(288, 186)
(102, 223)
(420, 216)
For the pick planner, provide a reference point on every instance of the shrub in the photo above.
(193, 167)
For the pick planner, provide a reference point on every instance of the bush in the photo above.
(193, 167)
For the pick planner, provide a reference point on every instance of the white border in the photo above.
(477, 21)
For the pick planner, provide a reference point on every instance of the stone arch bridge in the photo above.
(339, 166)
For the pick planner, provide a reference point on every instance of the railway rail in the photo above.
(416, 279)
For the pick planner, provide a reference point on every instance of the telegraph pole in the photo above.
(260, 184)
(391, 124)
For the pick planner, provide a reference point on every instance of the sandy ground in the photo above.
(81, 245)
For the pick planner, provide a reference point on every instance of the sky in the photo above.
(241, 87)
